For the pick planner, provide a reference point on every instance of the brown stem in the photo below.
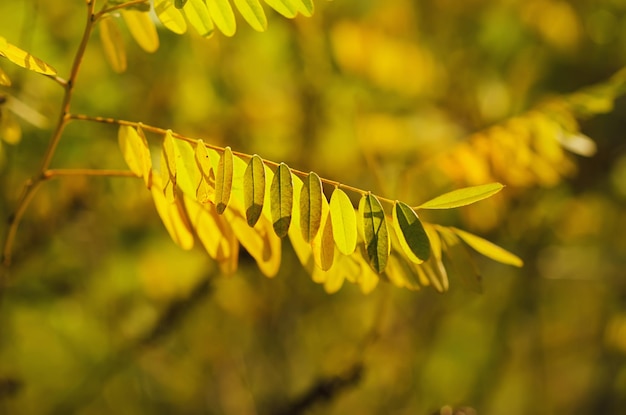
(50, 174)
(32, 185)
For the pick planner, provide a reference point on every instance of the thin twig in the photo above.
(52, 173)
(128, 4)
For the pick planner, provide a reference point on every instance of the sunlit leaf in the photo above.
(433, 273)
(435, 241)
(281, 199)
(305, 7)
(462, 197)
(365, 277)
(224, 180)
(254, 189)
(302, 248)
(285, 7)
(134, 147)
(260, 241)
(172, 215)
(179, 4)
(222, 14)
(186, 167)
(374, 231)
(4, 78)
(343, 217)
(400, 273)
(113, 44)
(204, 180)
(311, 206)
(411, 234)
(24, 59)
(170, 16)
(142, 29)
(214, 233)
(489, 249)
(198, 15)
(322, 243)
(253, 13)
(168, 167)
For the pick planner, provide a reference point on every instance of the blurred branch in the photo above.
(324, 390)
(90, 386)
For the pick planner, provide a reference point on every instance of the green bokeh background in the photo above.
(103, 314)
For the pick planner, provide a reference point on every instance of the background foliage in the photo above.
(104, 313)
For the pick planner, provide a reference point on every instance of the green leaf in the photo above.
(142, 29)
(224, 180)
(170, 16)
(462, 197)
(254, 189)
(198, 15)
(311, 206)
(344, 222)
(253, 13)
(113, 44)
(222, 14)
(322, 244)
(281, 200)
(285, 7)
(375, 233)
(24, 59)
(411, 234)
(489, 249)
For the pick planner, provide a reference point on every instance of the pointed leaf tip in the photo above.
(462, 197)
(489, 249)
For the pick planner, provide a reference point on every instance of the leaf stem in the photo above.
(32, 185)
(246, 156)
(104, 11)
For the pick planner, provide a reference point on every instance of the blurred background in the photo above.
(102, 313)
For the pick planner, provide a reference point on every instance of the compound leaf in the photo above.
(224, 180)
(222, 14)
(462, 197)
(374, 232)
(254, 189)
(343, 217)
(311, 206)
(281, 200)
(411, 234)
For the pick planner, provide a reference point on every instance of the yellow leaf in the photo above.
(253, 13)
(434, 273)
(222, 14)
(168, 167)
(305, 7)
(170, 16)
(366, 278)
(136, 152)
(172, 216)
(254, 189)
(489, 249)
(411, 234)
(322, 244)
(198, 15)
(435, 241)
(24, 59)
(4, 78)
(281, 200)
(343, 217)
(224, 180)
(205, 180)
(284, 7)
(462, 197)
(461, 265)
(214, 233)
(302, 249)
(400, 273)
(113, 44)
(311, 206)
(260, 241)
(142, 29)
(186, 167)
(374, 231)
